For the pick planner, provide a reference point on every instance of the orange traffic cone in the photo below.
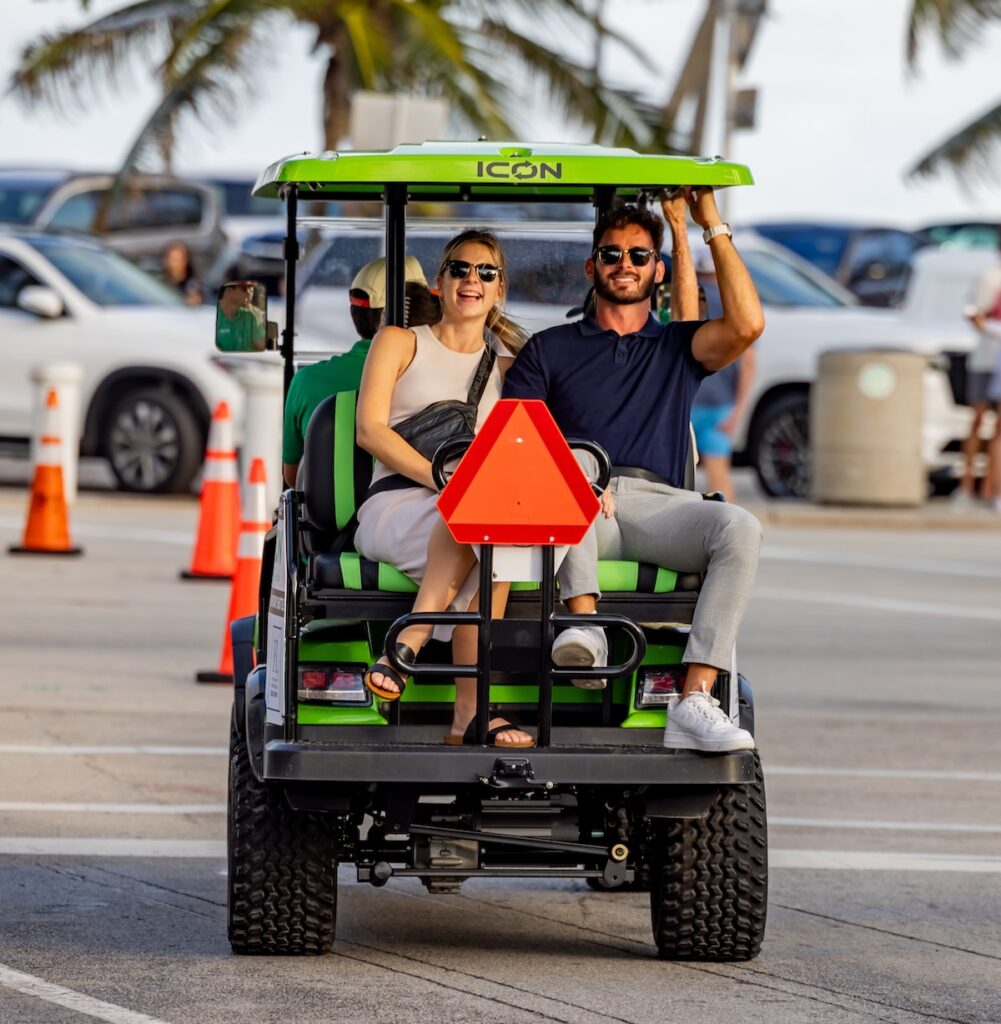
(214, 556)
(246, 581)
(46, 531)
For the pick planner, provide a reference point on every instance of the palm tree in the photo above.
(957, 23)
(208, 54)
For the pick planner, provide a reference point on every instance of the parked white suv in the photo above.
(806, 313)
(151, 377)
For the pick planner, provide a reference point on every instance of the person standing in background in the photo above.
(985, 315)
(179, 272)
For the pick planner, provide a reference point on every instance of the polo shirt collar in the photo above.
(651, 329)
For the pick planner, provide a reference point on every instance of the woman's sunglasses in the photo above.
(460, 269)
(609, 255)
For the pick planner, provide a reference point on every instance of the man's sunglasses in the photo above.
(609, 255)
(460, 269)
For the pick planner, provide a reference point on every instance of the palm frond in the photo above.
(972, 150)
(956, 23)
(56, 67)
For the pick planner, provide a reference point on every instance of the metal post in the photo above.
(547, 634)
(483, 643)
(396, 227)
(291, 253)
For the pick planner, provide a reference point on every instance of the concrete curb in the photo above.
(933, 516)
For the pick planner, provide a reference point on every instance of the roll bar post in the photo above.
(396, 242)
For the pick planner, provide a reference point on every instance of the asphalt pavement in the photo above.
(874, 654)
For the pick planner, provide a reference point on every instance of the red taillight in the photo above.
(657, 684)
(313, 680)
(338, 685)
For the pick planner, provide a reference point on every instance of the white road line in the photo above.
(885, 826)
(76, 751)
(69, 808)
(140, 535)
(929, 567)
(881, 604)
(883, 773)
(29, 985)
(819, 860)
(69, 847)
(862, 860)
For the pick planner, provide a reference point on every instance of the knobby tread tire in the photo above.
(709, 892)
(282, 869)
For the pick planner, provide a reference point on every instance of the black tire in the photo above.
(709, 891)
(152, 441)
(282, 869)
(779, 446)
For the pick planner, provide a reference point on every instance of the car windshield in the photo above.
(824, 247)
(21, 200)
(780, 283)
(238, 201)
(104, 277)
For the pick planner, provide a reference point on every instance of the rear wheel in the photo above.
(779, 446)
(709, 877)
(282, 868)
(152, 441)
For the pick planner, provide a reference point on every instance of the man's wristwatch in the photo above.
(714, 232)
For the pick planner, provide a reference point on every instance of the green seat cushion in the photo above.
(349, 571)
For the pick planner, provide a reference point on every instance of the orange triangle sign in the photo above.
(518, 483)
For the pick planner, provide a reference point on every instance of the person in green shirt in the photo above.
(313, 383)
(239, 325)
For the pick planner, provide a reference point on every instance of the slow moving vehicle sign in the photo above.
(518, 483)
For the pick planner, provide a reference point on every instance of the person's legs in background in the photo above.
(714, 446)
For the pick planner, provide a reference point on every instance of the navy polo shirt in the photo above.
(631, 393)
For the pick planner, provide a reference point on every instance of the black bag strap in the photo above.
(479, 384)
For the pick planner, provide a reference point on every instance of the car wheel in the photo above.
(780, 446)
(152, 441)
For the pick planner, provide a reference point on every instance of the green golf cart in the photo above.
(322, 775)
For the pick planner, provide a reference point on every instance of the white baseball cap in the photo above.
(371, 280)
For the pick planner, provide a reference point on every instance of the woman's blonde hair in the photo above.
(510, 333)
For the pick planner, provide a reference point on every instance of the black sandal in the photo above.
(468, 738)
(404, 653)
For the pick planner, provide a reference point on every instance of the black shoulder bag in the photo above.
(427, 429)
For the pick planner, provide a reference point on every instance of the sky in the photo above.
(840, 119)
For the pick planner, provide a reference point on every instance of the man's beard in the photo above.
(604, 290)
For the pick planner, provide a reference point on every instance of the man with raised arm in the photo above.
(622, 379)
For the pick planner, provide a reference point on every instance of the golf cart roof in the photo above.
(498, 171)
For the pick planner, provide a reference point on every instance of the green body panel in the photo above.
(648, 718)
(345, 500)
(444, 693)
(318, 714)
(496, 169)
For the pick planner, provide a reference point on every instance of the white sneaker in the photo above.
(699, 723)
(583, 646)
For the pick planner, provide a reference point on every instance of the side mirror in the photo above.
(241, 318)
(41, 301)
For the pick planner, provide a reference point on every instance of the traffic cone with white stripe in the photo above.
(46, 530)
(214, 557)
(246, 580)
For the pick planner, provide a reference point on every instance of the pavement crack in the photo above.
(465, 991)
(163, 888)
(887, 931)
(78, 877)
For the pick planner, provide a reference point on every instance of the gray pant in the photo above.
(677, 529)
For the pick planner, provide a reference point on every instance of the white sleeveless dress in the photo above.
(395, 526)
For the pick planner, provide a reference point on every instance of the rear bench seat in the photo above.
(337, 474)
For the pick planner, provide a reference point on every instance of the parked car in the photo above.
(152, 212)
(874, 263)
(151, 377)
(806, 313)
(965, 234)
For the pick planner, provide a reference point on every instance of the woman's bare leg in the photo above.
(449, 563)
(464, 650)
